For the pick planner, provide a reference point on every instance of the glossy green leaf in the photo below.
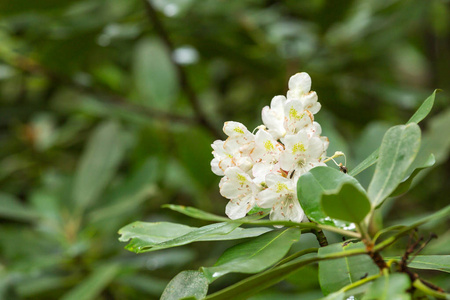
(92, 286)
(154, 74)
(255, 255)
(98, 164)
(259, 282)
(392, 286)
(254, 220)
(185, 285)
(418, 116)
(147, 237)
(428, 262)
(398, 149)
(348, 203)
(338, 273)
(313, 184)
(404, 186)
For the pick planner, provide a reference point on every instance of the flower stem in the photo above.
(296, 255)
(418, 284)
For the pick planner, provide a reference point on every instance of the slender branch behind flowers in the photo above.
(182, 77)
(30, 66)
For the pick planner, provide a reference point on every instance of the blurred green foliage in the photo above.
(98, 128)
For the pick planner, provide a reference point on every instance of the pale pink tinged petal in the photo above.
(234, 129)
(314, 109)
(266, 198)
(325, 142)
(230, 190)
(225, 163)
(317, 129)
(316, 147)
(274, 122)
(277, 104)
(294, 212)
(235, 209)
(215, 167)
(309, 100)
(261, 169)
(245, 164)
(287, 161)
(300, 81)
(272, 179)
(217, 145)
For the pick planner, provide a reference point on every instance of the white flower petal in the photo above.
(238, 208)
(300, 82)
(266, 198)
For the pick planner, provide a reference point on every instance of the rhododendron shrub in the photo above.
(279, 188)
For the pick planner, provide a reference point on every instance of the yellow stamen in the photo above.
(298, 148)
(268, 145)
(238, 130)
(281, 186)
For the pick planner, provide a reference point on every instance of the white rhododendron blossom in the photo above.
(262, 169)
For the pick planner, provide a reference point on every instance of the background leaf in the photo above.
(254, 255)
(91, 287)
(98, 164)
(397, 152)
(154, 74)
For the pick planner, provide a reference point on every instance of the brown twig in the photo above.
(403, 265)
(182, 77)
(320, 236)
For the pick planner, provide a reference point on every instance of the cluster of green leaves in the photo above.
(333, 201)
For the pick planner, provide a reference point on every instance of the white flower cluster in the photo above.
(262, 169)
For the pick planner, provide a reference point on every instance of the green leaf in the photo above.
(259, 282)
(368, 162)
(126, 197)
(147, 237)
(98, 164)
(253, 220)
(424, 109)
(404, 186)
(338, 273)
(313, 184)
(153, 233)
(418, 116)
(397, 152)
(255, 255)
(154, 74)
(428, 262)
(348, 203)
(12, 208)
(392, 286)
(195, 213)
(92, 286)
(186, 284)
(335, 296)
